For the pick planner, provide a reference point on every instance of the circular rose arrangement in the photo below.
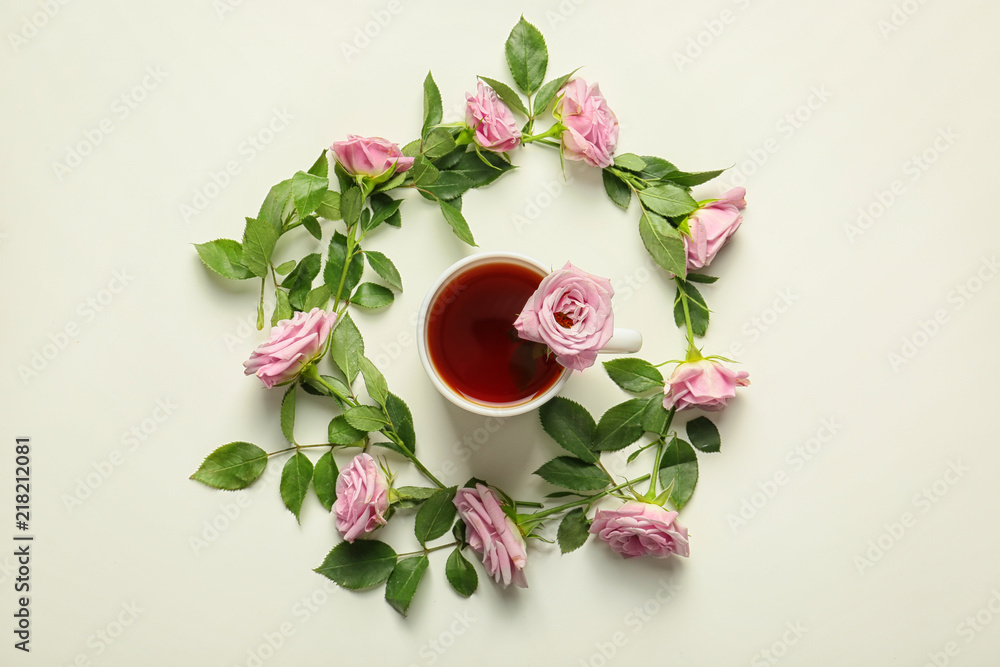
(315, 346)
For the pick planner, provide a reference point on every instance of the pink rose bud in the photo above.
(291, 346)
(571, 313)
(591, 131)
(369, 156)
(704, 384)
(641, 529)
(493, 123)
(362, 498)
(493, 535)
(711, 226)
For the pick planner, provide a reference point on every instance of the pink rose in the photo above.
(292, 345)
(493, 123)
(704, 384)
(641, 529)
(493, 535)
(369, 156)
(362, 498)
(711, 226)
(591, 127)
(571, 313)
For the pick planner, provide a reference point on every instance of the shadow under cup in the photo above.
(470, 340)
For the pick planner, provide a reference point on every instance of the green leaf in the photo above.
(656, 168)
(278, 205)
(527, 56)
(384, 207)
(573, 530)
(620, 426)
(288, 413)
(704, 435)
(700, 278)
(449, 160)
(449, 184)
(570, 472)
(329, 207)
(351, 203)
(321, 167)
(424, 173)
(438, 142)
(259, 239)
(563, 494)
(375, 382)
(634, 454)
(295, 478)
(394, 182)
(225, 257)
(347, 346)
(654, 417)
(630, 162)
(548, 92)
(370, 295)
(408, 497)
(365, 418)
(458, 530)
(663, 242)
(461, 574)
(473, 167)
(570, 425)
(283, 268)
(403, 582)
(385, 269)
(308, 191)
(411, 149)
(432, 105)
(507, 94)
(344, 180)
(634, 375)
(334, 273)
(341, 433)
(317, 298)
(311, 223)
(233, 466)
(299, 281)
(697, 308)
(318, 389)
(282, 307)
(618, 191)
(402, 421)
(435, 516)
(358, 565)
(325, 480)
(667, 200)
(691, 179)
(679, 466)
(454, 217)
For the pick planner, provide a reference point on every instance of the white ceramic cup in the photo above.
(623, 341)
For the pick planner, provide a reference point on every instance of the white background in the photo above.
(821, 106)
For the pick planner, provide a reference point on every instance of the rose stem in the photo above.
(585, 500)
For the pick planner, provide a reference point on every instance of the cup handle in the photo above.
(623, 341)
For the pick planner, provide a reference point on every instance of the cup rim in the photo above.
(486, 409)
